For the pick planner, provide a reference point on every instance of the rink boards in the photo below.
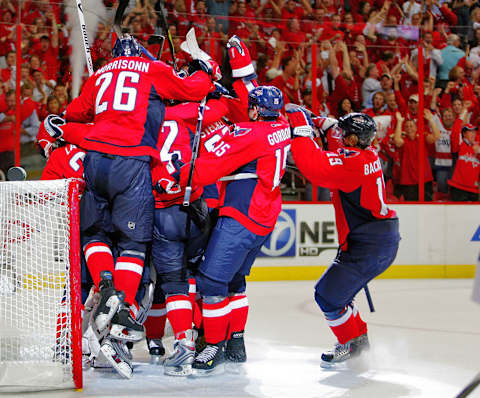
(438, 241)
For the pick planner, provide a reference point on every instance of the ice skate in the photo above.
(156, 350)
(124, 326)
(180, 362)
(235, 349)
(114, 353)
(343, 352)
(210, 361)
(109, 301)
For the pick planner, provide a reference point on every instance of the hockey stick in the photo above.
(86, 46)
(469, 387)
(369, 298)
(196, 146)
(163, 22)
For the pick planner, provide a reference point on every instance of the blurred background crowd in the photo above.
(367, 59)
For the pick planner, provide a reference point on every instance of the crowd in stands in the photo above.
(367, 60)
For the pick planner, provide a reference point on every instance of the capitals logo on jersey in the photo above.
(239, 131)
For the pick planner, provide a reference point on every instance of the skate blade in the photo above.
(121, 367)
(179, 371)
(156, 360)
(219, 369)
(121, 333)
(102, 320)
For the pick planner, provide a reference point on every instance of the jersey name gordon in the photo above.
(373, 167)
(125, 64)
(279, 136)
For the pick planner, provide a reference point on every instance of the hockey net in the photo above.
(40, 313)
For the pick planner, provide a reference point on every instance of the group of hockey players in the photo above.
(151, 254)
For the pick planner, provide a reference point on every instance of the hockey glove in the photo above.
(210, 67)
(46, 143)
(169, 182)
(198, 213)
(219, 91)
(301, 124)
(53, 125)
(325, 126)
(239, 58)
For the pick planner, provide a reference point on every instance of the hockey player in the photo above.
(252, 157)
(173, 244)
(367, 229)
(124, 99)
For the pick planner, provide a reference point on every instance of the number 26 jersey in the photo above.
(124, 99)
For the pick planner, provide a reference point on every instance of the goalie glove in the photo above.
(239, 58)
(210, 67)
(301, 124)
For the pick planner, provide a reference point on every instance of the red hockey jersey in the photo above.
(355, 179)
(124, 100)
(174, 138)
(64, 162)
(252, 158)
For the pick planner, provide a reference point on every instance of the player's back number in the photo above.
(125, 95)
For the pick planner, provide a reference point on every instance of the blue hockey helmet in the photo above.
(360, 124)
(267, 99)
(126, 46)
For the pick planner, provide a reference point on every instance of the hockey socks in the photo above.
(344, 327)
(99, 258)
(215, 320)
(238, 312)
(180, 314)
(155, 322)
(128, 272)
(196, 302)
(362, 326)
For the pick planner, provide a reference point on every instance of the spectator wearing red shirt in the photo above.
(199, 19)
(464, 185)
(407, 144)
(288, 81)
(292, 34)
(212, 40)
(291, 9)
(47, 50)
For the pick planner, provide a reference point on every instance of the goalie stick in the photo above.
(196, 53)
(86, 46)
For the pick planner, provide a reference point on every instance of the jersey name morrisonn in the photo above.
(373, 167)
(125, 64)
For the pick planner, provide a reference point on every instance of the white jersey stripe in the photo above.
(179, 305)
(128, 266)
(236, 304)
(97, 249)
(157, 312)
(340, 321)
(217, 312)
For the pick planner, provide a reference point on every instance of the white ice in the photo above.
(425, 338)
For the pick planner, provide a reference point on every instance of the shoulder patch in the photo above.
(238, 131)
(348, 153)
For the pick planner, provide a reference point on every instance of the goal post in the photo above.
(40, 281)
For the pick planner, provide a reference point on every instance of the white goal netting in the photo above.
(36, 335)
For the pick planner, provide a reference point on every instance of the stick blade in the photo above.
(191, 47)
